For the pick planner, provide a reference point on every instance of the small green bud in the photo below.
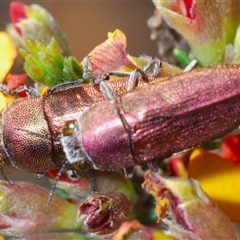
(72, 70)
(182, 57)
(23, 52)
(34, 68)
(51, 68)
(32, 46)
(56, 52)
(47, 65)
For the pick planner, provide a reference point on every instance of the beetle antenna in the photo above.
(59, 174)
(4, 176)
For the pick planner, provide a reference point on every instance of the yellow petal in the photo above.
(138, 62)
(7, 54)
(166, 70)
(118, 34)
(219, 178)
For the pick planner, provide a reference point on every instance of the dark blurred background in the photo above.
(86, 24)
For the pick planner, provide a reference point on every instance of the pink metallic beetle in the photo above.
(149, 123)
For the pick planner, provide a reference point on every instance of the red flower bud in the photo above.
(17, 13)
(178, 167)
(103, 213)
(190, 8)
(15, 81)
(231, 147)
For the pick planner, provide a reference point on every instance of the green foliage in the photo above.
(47, 65)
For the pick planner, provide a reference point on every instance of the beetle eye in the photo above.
(2, 161)
(70, 127)
(82, 165)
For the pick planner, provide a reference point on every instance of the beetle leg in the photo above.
(65, 86)
(132, 82)
(5, 90)
(153, 166)
(9, 92)
(152, 69)
(154, 65)
(86, 73)
(59, 174)
(191, 65)
(107, 90)
(134, 75)
(4, 176)
(31, 92)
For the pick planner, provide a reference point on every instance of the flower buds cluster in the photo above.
(46, 63)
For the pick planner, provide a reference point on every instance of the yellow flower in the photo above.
(7, 54)
(219, 178)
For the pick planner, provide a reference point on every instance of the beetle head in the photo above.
(74, 151)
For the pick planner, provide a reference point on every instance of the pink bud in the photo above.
(24, 210)
(15, 81)
(17, 13)
(103, 213)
